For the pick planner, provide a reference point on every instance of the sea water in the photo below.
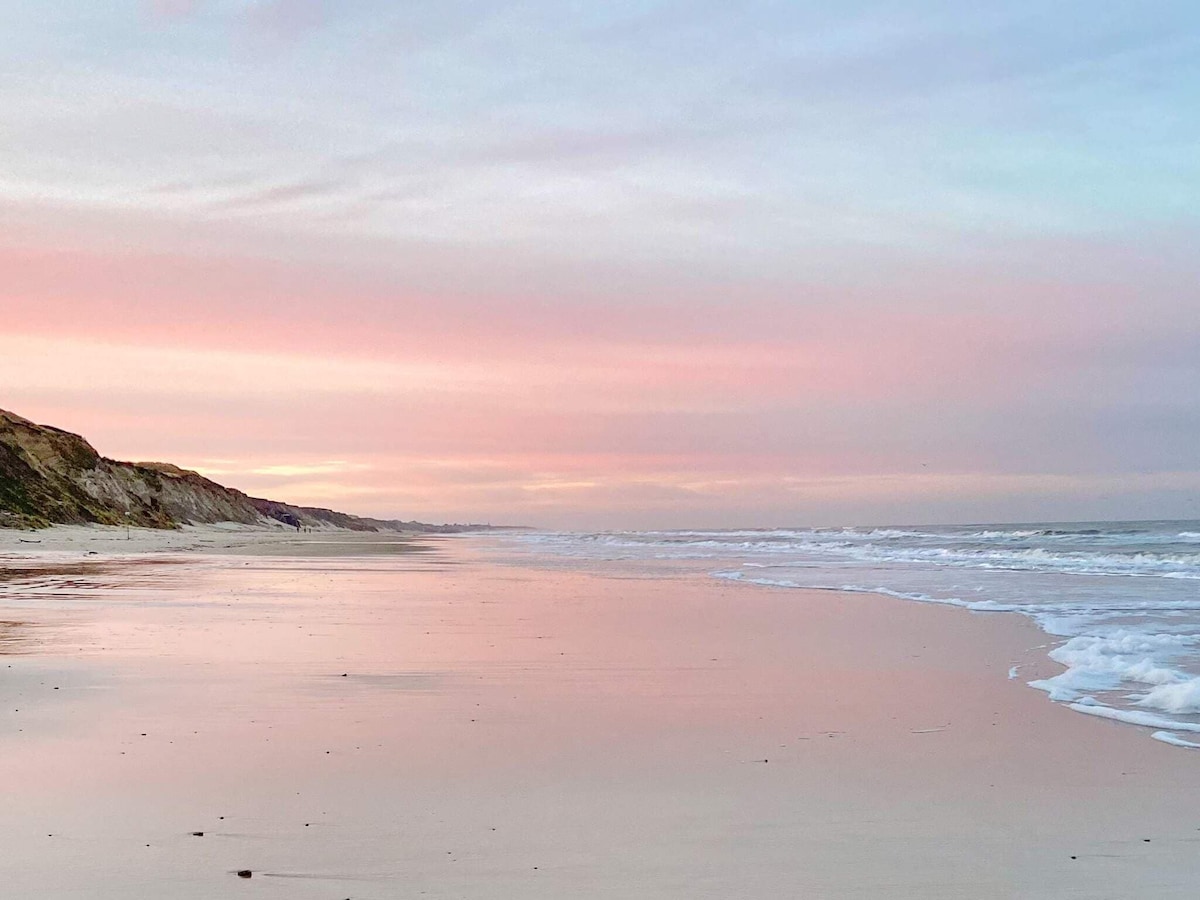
(1120, 599)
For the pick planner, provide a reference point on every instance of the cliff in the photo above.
(50, 476)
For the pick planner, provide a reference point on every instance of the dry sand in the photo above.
(439, 725)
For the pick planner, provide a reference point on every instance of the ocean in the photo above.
(1119, 600)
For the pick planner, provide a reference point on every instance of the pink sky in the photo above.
(301, 383)
(605, 284)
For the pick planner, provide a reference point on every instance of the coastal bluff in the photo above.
(49, 476)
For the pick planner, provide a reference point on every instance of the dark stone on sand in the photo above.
(244, 873)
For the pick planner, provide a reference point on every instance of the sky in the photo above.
(616, 264)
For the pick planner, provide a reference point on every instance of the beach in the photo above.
(599, 451)
(379, 716)
(72, 542)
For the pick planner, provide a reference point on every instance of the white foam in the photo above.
(1133, 717)
(1174, 740)
(974, 605)
(1121, 596)
(763, 582)
(1038, 559)
(1179, 697)
(1061, 552)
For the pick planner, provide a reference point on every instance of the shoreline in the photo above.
(84, 540)
(514, 732)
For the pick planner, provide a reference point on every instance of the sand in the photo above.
(73, 541)
(437, 724)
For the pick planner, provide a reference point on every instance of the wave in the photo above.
(834, 546)
(1040, 559)
(1174, 740)
(1134, 718)
(1120, 597)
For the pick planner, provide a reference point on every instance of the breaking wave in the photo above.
(1121, 597)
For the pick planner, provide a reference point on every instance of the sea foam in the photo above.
(1122, 596)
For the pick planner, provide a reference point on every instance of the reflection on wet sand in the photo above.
(383, 725)
(15, 637)
(366, 545)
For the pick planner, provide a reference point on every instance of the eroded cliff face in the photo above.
(48, 475)
(52, 477)
(37, 469)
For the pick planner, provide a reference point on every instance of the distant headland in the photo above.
(53, 477)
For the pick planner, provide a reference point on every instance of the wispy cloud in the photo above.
(687, 258)
(299, 470)
(173, 9)
(285, 20)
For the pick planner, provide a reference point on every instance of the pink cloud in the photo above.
(462, 405)
(757, 350)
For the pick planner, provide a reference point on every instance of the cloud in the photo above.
(285, 20)
(173, 9)
(673, 258)
(285, 194)
(298, 470)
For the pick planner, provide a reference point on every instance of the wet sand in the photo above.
(77, 541)
(436, 724)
